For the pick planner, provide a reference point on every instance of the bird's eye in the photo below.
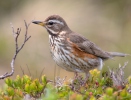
(50, 23)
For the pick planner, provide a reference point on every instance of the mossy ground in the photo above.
(98, 87)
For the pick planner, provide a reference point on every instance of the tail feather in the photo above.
(114, 54)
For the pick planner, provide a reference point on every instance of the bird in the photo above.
(72, 51)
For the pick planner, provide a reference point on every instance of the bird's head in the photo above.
(54, 24)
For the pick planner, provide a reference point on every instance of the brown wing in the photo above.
(87, 46)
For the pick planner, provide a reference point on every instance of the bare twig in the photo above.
(118, 76)
(28, 70)
(22, 70)
(54, 74)
(17, 48)
(59, 82)
(41, 73)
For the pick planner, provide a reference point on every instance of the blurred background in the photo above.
(105, 22)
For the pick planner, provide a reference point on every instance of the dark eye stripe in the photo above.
(55, 21)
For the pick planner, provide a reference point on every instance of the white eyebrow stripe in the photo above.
(56, 21)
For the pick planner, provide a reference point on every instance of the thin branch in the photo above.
(17, 49)
(117, 76)
(54, 73)
(28, 70)
(41, 73)
(22, 70)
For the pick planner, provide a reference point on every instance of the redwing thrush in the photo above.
(72, 51)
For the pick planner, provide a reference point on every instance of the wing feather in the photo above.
(88, 46)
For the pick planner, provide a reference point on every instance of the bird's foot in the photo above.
(75, 75)
(86, 79)
(76, 82)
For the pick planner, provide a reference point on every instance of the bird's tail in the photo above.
(114, 54)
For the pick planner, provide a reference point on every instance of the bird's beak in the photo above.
(39, 23)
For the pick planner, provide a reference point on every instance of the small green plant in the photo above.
(22, 86)
(97, 87)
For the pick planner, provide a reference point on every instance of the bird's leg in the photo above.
(75, 75)
(74, 81)
(86, 78)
